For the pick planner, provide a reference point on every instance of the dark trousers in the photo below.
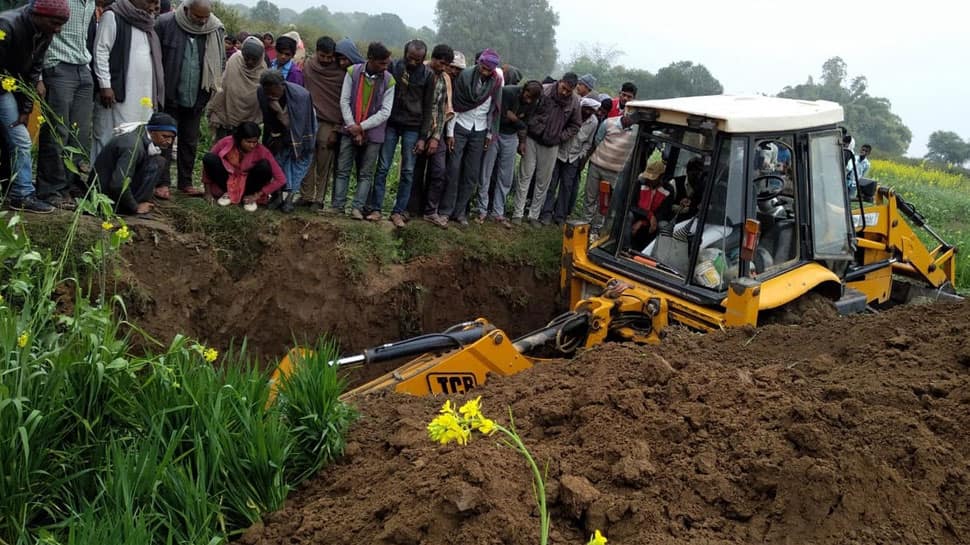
(559, 204)
(70, 90)
(464, 171)
(257, 178)
(436, 177)
(188, 120)
(419, 189)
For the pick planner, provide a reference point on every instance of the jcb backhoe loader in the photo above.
(764, 222)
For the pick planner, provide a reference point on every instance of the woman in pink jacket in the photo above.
(239, 169)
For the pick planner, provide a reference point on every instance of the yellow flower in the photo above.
(9, 84)
(484, 425)
(147, 103)
(107, 225)
(447, 408)
(40, 120)
(210, 354)
(597, 539)
(471, 409)
(3, 35)
(124, 233)
(23, 339)
(446, 427)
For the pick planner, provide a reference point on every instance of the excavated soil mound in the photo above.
(849, 430)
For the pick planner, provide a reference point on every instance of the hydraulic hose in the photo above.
(418, 345)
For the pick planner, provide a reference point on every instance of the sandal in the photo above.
(192, 191)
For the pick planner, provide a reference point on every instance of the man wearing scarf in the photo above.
(235, 103)
(477, 101)
(289, 131)
(127, 68)
(129, 167)
(324, 78)
(193, 58)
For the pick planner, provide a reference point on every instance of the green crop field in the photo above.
(942, 197)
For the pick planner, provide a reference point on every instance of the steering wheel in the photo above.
(769, 186)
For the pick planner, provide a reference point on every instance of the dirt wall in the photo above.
(298, 288)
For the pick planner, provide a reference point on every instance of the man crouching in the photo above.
(130, 166)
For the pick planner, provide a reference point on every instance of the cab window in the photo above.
(772, 202)
(830, 219)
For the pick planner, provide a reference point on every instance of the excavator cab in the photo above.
(731, 206)
(743, 194)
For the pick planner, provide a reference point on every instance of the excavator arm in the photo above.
(890, 246)
(463, 356)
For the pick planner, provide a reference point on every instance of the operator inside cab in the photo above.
(686, 208)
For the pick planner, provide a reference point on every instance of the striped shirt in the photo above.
(70, 45)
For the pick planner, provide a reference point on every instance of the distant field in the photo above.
(943, 198)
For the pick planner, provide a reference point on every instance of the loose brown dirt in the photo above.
(844, 430)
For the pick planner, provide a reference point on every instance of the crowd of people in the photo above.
(127, 83)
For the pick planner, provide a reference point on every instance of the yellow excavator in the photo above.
(765, 220)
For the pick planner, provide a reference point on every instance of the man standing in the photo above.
(413, 83)
(614, 142)
(324, 79)
(127, 67)
(193, 59)
(366, 100)
(289, 131)
(857, 169)
(439, 113)
(518, 105)
(557, 119)
(477, 102)
(561, 195)
(129, 168)
(27, 33)
(235, 102)
(628, 92)
(70, 97)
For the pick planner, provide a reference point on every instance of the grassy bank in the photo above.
(101, 445)
(364, 246)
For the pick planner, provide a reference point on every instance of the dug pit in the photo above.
(297, 284)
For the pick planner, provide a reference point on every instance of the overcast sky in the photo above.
(908, 51)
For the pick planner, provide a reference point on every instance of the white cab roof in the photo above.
(746, 113)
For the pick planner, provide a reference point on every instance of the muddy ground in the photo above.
(847, 430)
(296, 288)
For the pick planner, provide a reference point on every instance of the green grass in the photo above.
(101, 445)
(943, 198)
(233, 232)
